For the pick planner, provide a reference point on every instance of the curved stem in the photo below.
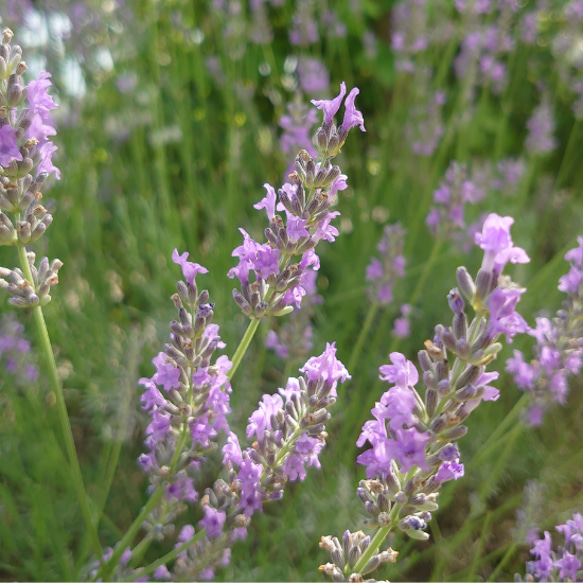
(47, 350)
(243, 345)
(168, 556)
(106, 570)
(375, 543)
(372, 312)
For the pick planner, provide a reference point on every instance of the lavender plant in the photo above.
(188, 395)
(558, 349)
(25, 164)
(562, 563)
(413, 437)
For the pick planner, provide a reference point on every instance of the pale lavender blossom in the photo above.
(412, 438)
(313, 75)
(563, 562)
(383, 273)
(16, 356)
(186, 393)
(25, 164)
(541, 128)
(411, 33)
(304, 28)
(402, 325)
(292, 340)
(271, 274)
(425, 129)
(446, 218)
(558, 351)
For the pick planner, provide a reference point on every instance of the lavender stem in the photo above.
(47, 350)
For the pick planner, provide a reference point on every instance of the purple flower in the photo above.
(313, 75)
(524, 374)
(326, 367)
(541, 126)
(232, 454)
(402, 372)
(409, 449)
(39, 99)
(401, 326)
(383, 273)
(248, 477)
(452, 470)
(571, 282)
(162, 573)
(396, 405)
(213, 521)
(568, 566)
(566, 559)
(497, 244)
(352, 117)
(261, 258)
(189, 269)
(267, 202)
(331, 107)
(503, 318)
(166, 374)
(8, 145)
(260, 420)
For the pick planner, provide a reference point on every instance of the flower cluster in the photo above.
(277, 282)
(563, 564)
(541, 128)
(558, 352)
(187, 399)
(25, 163)
(411, 35)
(289, 432)
(402, 325)
(446, 218)
(426, 127)
(383, 273)
(293, 339)
(412, 438)
(289, 429)
(487, 42)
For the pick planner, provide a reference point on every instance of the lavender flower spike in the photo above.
(187, 399)
(328, 139)
(271, 274)
(25, 164)
(289, 432)
(558, 352)
(413, 436)
(382, 274)
(564, 563)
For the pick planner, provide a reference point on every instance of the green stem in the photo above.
(502, 563)
(152, 502)
(426, 271)
(372, 312)
(375, 543)
(168, 556)
(47, 350)
(243, 345)
(567, 156)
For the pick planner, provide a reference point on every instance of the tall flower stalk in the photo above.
(272, 275)
(413, 437)
(188, 395)
(25, 164)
